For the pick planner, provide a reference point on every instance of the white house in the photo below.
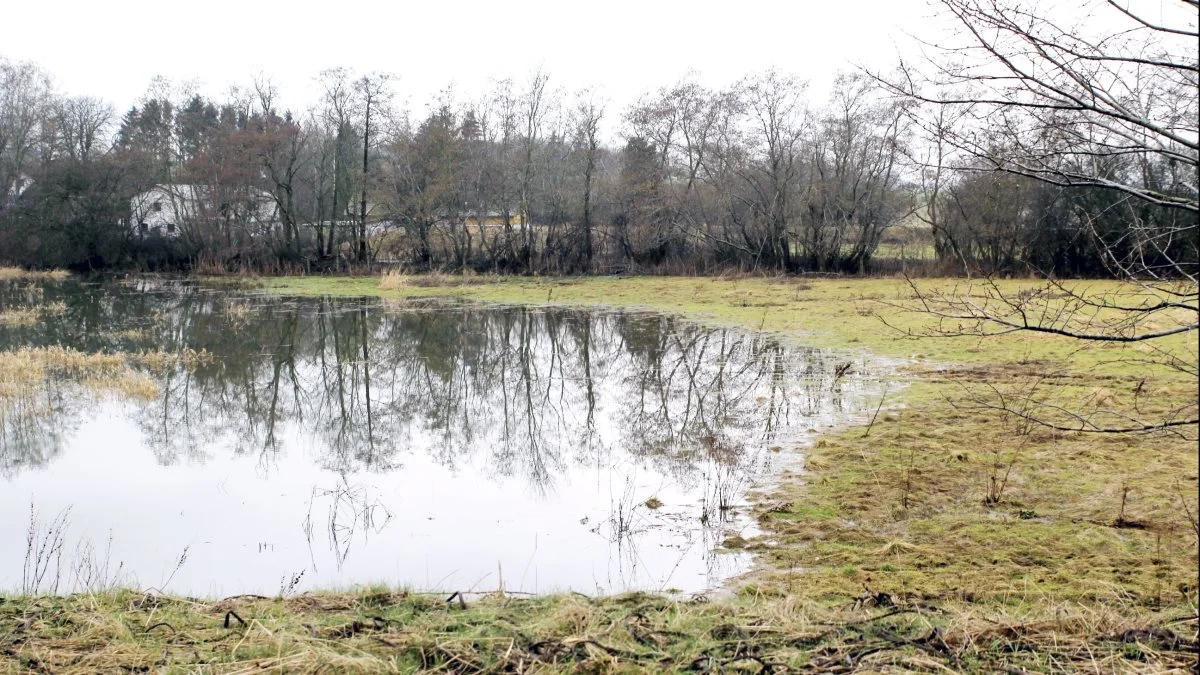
(166, 209)
(14, 192)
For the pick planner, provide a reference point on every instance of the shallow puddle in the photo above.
(434, 444)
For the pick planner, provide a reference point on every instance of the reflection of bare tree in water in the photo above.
(345, 411)
(34, 420)
(709, 395)
(511, 392)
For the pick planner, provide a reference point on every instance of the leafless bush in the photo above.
(623, 517)
(44, 543)
(288, 585)
(92, 570)
(722, 493)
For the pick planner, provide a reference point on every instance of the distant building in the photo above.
(483, 219)
(167, 209)
(14, 192)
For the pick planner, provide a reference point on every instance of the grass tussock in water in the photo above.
(21, 274)
(25, 369)
(28, 316)
(374, 630)
(23, 316)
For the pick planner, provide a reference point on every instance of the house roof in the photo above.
(197, 191)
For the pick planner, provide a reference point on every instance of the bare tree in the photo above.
(373, 92)
(81, 123)
(932, 156)
(534, 104)
(681, 121)
(1107, 110)
(281, 148)
(336, 115)
(588, 114)
(778, 118)
(25, 98)
(483, 173)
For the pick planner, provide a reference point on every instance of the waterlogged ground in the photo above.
(320, 443)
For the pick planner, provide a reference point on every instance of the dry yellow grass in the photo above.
(27, 368)
(24, 316)
(28, 316)
(21, 274)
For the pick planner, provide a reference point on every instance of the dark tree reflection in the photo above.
(363, 384)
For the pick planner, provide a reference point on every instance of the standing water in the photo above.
(441, 445)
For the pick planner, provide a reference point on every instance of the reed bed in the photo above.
(21, 274)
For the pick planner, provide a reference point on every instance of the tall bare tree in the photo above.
(855, 175)
(282, 146)
(588, 114)
(534, 104)
(25, 103)
(373, 92)
(337, 104)
(81, 125)
(779, 120)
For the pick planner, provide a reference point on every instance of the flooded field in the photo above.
(257, 444)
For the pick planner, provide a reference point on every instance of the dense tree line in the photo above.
(524, 179)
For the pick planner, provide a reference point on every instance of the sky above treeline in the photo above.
(619, 48)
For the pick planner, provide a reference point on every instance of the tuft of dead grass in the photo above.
(21, 274)
(124, 374)
(23, 316)
(28, 316)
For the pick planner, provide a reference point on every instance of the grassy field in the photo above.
(942, 536)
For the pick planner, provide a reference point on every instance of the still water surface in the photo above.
(430, 443)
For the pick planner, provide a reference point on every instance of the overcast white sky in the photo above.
(622, 48)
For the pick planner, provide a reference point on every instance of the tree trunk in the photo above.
(362, 211)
